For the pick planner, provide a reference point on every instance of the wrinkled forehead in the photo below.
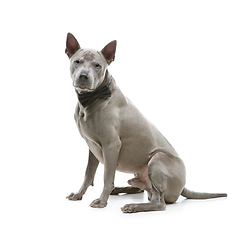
(88, 55)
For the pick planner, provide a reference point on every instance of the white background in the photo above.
(178, 61)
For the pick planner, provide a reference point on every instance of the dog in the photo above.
(121, 138)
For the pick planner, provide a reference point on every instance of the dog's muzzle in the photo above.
(83, 81)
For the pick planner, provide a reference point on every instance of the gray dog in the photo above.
(121, 138)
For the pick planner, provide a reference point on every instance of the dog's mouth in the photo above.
(82, 87)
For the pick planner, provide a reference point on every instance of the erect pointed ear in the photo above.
(72, 45)
(109, 51)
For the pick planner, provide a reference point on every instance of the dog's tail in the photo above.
(201, 195)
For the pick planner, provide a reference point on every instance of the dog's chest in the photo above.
(88, 128)
(85, 124)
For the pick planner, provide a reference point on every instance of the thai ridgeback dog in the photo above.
(121, 138)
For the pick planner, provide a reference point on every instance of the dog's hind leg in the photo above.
(159, 185)
(128, 190)
(157, 204)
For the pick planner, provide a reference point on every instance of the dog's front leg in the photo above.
(110, 154)
(89, 177)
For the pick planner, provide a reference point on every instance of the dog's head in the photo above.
(88, 66)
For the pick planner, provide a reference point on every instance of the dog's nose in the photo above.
(84, 76)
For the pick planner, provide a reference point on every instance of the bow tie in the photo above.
(87, 98)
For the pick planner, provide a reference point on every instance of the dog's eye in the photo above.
(97, 65)
(77, 61)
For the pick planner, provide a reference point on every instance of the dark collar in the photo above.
(87, 98)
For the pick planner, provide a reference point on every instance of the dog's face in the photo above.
(88, 66)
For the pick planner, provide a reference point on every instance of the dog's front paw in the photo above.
(75, 196)
(98, 203)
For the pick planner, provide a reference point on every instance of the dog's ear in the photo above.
(109, 51)
(72, 45)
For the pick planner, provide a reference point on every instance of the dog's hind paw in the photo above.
(144, 207)
(129, 208)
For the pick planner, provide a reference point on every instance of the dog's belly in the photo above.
(132, 161)
(135, 154)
